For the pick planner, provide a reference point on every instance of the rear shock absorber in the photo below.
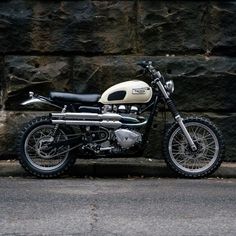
(57, 125)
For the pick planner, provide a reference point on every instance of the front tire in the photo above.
(33, 152)
(210, 148)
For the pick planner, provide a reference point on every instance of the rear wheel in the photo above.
(35, 153)
(202, 162)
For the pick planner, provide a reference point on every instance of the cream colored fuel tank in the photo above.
(134, 91)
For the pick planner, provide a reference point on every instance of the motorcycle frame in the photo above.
(159, 93)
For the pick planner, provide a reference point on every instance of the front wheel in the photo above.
(35, 153)
(194, 164)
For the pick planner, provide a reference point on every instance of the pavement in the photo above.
(117, 167)
(117, 206)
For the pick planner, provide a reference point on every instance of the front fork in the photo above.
(177, 116)
(179, 119)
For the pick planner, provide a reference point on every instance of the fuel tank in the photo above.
(134, 91)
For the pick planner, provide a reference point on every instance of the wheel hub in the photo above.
(42, 147)
(190, 152)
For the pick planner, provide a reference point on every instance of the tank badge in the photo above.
(139, 91)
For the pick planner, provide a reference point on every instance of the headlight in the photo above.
(170, 87)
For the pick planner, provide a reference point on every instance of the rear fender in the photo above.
(39, 99)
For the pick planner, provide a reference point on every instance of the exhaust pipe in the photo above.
(134, 125)
(108, 120)
(104, 123)
(107, 124)
(87, 116)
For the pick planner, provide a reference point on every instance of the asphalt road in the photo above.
(117, 207)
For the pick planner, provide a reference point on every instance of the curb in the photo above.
(116, 167)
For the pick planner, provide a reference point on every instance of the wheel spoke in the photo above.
(30, 147)
(212, 151)
(37, 151)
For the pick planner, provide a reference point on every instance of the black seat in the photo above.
(73, 97)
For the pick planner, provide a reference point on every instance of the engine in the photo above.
(114, 140)
(122, 109)
(124, 138)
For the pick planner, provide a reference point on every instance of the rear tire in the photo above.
(182, 160)
(30, 159)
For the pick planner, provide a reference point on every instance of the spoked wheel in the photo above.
(36, 153)
(202, 162)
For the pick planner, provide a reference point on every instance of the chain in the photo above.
(66, 151)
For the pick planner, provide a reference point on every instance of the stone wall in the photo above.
(87, 45)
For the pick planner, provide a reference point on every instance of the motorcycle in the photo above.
(117, 123)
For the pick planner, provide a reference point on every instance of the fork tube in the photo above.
(179, 119)
(177, 116)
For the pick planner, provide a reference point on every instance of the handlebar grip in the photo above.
(143, 64)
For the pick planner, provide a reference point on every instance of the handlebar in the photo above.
(147, 65)
(144, 64)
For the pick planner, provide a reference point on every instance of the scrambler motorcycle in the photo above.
(117, 123)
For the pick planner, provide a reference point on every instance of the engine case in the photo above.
(127, 138)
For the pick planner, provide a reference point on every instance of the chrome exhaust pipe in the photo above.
(134, 125)
(108, 120)
(104, 123)
(87, 116)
